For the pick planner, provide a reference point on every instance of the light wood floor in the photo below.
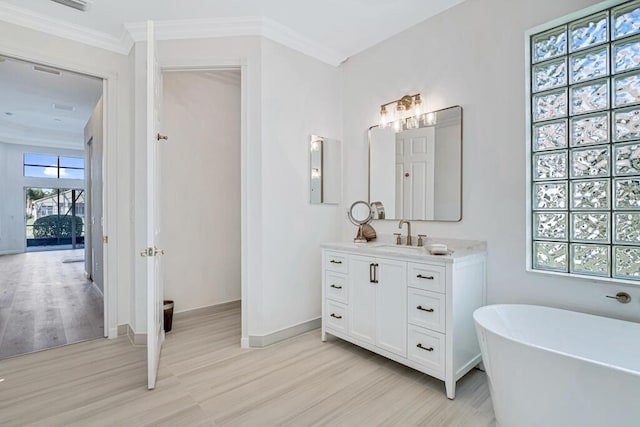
(46, 302)
(205, 379)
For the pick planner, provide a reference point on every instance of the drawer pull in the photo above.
(430, 310)
(420, 346)
(337, 316)
(420, 276)
(373, 273)
(333, 261)
(336, 287)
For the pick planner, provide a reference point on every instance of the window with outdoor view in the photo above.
(52, 166)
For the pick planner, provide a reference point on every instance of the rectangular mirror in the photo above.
(325, 170)
(416, 174)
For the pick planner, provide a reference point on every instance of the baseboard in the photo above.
(212, 309)
(11, 252)
(123, 330)
(244, 342)
(283, 334)
(136, 339)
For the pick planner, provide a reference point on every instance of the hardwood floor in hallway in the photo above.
(205, 379)
(46, 301)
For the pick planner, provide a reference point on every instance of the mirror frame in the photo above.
(353, 220)
(330, 155)
(461, 168)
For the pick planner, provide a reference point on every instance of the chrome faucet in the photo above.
(404, 221)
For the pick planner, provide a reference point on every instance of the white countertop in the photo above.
(458, 249)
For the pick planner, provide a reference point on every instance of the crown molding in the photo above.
(197, 28)
(35, 21)
(292, 39)
(172, 30)
(236, 27)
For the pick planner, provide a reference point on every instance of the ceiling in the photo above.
(331, 30)
(343, 27)
(43, 108)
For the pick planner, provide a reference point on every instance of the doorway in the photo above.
(55, 218)
(47, 299)
(201, 196)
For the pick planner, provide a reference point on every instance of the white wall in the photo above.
(12, 187)
(472, 55)
(300, 97)
(94, 149)
(289, 96)
(63, 53)
(200, 199)
(204, 53)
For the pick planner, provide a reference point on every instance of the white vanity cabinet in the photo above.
(415, 309)
(378, 302)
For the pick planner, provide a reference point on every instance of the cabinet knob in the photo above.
(336, 287)
(333, 261)
(337, 316)
(430, 310)
(420, 276)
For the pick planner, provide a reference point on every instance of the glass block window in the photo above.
(585, 145)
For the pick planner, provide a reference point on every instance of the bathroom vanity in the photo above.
(406, 304)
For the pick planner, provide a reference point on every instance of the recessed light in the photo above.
(46, 70)
(64, 107)
(76, 4)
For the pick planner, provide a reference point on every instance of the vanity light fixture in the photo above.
(402, 113)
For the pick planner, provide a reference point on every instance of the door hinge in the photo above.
(147, 252)
(105, 239)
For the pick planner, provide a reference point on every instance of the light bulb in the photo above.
(400, 116)
(430, 119)
(384, 117)
(417, 106)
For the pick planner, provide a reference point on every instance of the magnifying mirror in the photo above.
(361, 214)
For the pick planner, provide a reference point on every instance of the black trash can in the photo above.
(168, 315)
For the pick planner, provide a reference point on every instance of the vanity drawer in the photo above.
(426, 276)
(427, 348)
(337, 262)
(336, 316)
(336, 284)
(427, 309)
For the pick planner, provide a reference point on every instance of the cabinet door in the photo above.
(362, 298)
(391, 306)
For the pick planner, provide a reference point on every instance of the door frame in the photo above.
(109, 168)
(195, 65)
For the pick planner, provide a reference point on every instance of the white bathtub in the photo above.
(549, 367)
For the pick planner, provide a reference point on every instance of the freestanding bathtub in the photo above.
(549, 367)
